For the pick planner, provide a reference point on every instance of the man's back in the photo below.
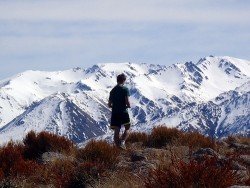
(118, 98)
(119, 101)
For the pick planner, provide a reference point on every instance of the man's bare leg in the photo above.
(117, 136)
(124, 138)
(125, 133)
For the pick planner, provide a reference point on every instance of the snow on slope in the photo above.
(235, 111)
(56, 113)
(20, 91)
(223, 73)
(182, 95)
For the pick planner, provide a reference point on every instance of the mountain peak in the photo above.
(231, 66)
(181, 95)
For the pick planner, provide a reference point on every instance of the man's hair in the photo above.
(121, 78)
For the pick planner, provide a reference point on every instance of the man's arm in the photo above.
(127, 98)
(110, 104)
(110, 100)
(127, 102)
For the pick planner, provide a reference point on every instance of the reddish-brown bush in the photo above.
(25, 168)
(37, 144)
(99, 152)
(208, 173)
(12, 162)
(160, 136)
(196, 140)
(238, 139)
(231, 139)
(244, 140)
(10, 155)
(66, 173)
(137, 137)
(60, 172)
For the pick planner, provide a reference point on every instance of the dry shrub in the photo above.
(66, 173)
(238, 139)
(85, 174)
(10, 155)
(231, 139)
(91, 169)
(1, 175)
(224, 150)
(244, 140)
(207, 173)
(36, 144)
(196, 140)
(25, 168)
(57, 173)
(160, 136)
(12, 163)
(99, 152)
(121, 179)
(248, 181)
(239, 144)
(137, 137)
(9, 183)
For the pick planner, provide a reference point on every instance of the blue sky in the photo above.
(60, 34)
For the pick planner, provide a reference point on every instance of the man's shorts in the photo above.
(117, 120)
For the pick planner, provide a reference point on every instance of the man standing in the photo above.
(119, 102)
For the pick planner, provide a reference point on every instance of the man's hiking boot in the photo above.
(122, 145)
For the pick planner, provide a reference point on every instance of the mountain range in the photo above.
(211, 96)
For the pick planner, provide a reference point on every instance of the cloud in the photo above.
(55, 35)
(174, 11)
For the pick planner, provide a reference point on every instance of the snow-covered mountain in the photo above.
(211, 96)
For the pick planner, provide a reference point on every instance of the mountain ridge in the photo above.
(181, 95)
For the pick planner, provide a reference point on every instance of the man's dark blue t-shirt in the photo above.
(117, 97)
